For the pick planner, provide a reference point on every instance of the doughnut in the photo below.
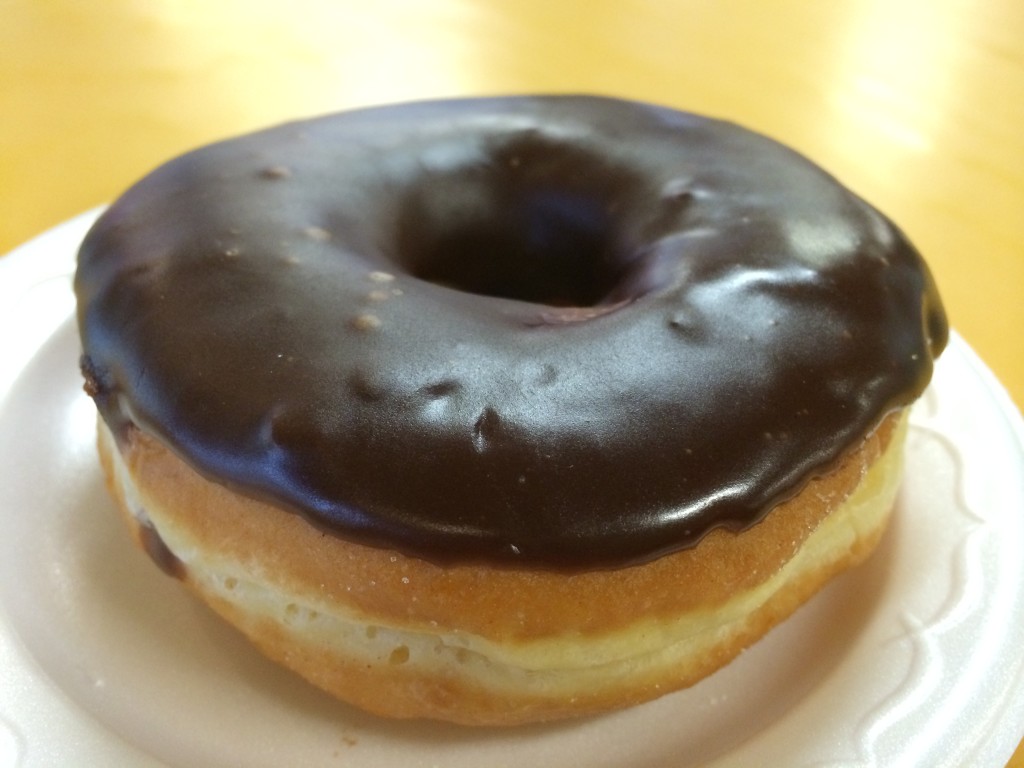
(503, 410)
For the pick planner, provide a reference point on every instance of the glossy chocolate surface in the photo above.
(555, 331)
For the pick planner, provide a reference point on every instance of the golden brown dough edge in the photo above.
(480, 645)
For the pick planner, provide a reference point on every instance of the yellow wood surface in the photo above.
(916, 104)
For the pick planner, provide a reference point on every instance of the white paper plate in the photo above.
(914, 659)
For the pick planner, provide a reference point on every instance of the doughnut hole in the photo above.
(538, 222)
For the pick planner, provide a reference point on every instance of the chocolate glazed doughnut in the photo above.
(568, 337)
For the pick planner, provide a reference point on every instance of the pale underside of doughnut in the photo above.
(482, 645)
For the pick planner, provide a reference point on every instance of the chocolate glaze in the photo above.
(555, 331)
(160, 553)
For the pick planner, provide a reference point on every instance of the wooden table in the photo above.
(916, 104)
